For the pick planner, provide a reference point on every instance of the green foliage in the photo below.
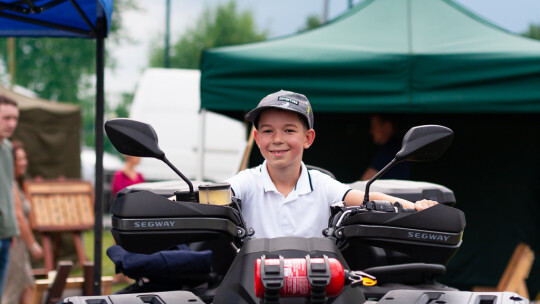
(122, 109)
(313, 21)
(59, 68)
(221, 26)
(533, 32)
(88, 110)
(54, 67)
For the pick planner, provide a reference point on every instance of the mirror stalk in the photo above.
(165, 160)
(421, 143)
(374, 178)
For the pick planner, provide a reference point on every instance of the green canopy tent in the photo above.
(428, 61)
(384, 55)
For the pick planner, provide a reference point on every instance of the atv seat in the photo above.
(412, 273)
(412, 276)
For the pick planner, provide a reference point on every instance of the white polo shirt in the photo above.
(304, 212)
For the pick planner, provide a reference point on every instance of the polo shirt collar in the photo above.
(303, 185)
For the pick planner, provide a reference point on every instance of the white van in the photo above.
(206, 146)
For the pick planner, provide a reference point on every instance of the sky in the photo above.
(278, 17)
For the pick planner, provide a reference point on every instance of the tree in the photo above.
(63, 69)
(313, 21)
(59, 68)
(221, 26)
(88, 114)
(53, 67)
(533, 32)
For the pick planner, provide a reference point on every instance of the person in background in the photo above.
(18, 288)
(127, 176)
(122, 178)
(9, 116)
(383, 131)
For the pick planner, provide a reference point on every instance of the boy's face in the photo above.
(282, 138)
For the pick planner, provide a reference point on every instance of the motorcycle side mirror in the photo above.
(135, 138)
(420, 143)
(424, 143)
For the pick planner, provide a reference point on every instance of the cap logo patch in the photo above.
(283, 98)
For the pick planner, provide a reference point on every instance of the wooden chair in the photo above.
(515, 273)
(55, 289)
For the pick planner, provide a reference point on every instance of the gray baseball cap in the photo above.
(284, 100)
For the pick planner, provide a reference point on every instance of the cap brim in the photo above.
(252, 115)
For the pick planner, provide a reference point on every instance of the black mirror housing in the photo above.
(133, 138)
(425, 143)
(421, 143)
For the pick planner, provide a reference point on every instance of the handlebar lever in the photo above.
(358, 278)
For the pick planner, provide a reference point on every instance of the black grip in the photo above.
(384, 206)
(407, 210)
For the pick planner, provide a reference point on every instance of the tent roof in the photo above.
(26, 103)
(50, 132)
(53, 18)
(384, 55)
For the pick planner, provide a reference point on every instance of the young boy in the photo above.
(281, 197)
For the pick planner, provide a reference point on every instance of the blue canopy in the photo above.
(54, 18)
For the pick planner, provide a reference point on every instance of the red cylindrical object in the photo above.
(296, 282)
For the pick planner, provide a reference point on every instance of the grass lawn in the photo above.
(107, 265)
(88, 240)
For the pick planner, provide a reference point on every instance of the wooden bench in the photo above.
(515, 273)
(54, 289)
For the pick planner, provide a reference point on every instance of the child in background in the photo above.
(127, 176)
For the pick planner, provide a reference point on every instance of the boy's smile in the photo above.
(278, 153)
(282, 138)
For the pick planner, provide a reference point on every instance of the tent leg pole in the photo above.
(98, 197)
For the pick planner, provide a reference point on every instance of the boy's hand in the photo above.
(424, 204)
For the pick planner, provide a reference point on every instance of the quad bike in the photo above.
(378, 252)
